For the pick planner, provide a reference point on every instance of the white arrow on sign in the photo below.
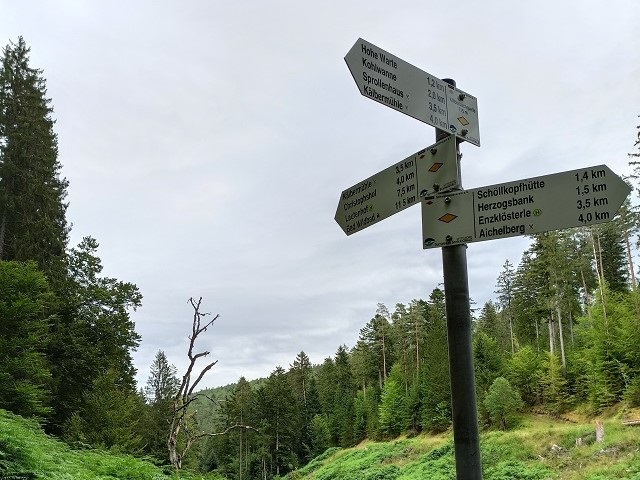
(401, 185)
(552, 202)
(397, 84)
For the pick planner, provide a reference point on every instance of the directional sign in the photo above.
(399, 186)
(552, 202)
(397, 84)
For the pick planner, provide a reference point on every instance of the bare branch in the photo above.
(227, 430)
(182, 409)
(204, 370)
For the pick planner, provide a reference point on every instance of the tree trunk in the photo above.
(240, 450)
(600, 273)
(513, 343)
(552, 336)
(571, 327)
(3, 224)
(630, 260)
(562, 357)
(384, 360)
(417, 353)
(277, 445)
(599, 431)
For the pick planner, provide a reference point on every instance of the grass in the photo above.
(540, 448)
(27, 453)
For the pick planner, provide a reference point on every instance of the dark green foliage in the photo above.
(320, 435)
(108, 416)
(602, 335)
(489, 323)
(278, 409)
(488, 360)
(32, 209)
(341, 415)
(505, 288)
(376, 340)
(307, 405)
(553, 385)
(514, 470)
(27, 453)
(523, 371)
(94, 332)
(393, 419)
(161, 387)
(25, 378)
(163, 383)
(435, 383)
(612, 256)
(502, 401)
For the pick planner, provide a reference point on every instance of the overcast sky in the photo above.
(206, 144)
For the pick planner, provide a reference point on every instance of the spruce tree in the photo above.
(611, 254)
(25, 379)
(161, 387)
(33, 225)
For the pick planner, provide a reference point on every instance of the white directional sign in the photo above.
(399, 186)
(551, 202)
(395, 83)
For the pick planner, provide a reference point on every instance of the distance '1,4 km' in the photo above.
(585, 190)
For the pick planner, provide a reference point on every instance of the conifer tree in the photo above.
(277, 407)
(393, 404)
(94, 332)
(25, 379)
(505, 291)
(33, 225)
(161, 387)
(611, 254)
(300, 379)
(163, 382)
(435, 382)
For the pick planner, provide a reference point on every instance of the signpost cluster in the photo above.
(453, 217)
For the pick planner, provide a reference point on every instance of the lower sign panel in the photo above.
(552, 202)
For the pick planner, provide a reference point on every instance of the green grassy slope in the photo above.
(27, 453)
(540, 448)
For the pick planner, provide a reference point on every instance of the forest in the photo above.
(561, 334)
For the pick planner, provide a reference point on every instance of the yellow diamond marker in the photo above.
(463, 121)
(448, 217)
(435, 167)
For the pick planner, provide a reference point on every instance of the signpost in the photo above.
(452, 217)
(397, 84)
(398, 186)
(552, 202)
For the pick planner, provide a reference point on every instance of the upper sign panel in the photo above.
(397, 84)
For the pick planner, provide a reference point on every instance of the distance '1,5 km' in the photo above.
(592, 193)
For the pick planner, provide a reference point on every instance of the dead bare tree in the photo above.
(181, 414)
(184, 431)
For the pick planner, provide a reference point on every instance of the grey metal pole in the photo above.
(463, 386)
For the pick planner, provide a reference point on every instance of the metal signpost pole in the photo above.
(463, 386)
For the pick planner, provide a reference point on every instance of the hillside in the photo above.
(26, 452)
(540, 448)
